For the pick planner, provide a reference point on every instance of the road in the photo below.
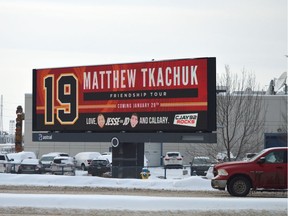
(25, 211)
(132, 192)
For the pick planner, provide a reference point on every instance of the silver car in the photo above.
(63, 165)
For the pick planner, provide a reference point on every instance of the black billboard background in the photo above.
(175, 93)
(147, 122)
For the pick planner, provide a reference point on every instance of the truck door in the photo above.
(274, 170)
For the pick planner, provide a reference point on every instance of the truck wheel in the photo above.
(239, 186)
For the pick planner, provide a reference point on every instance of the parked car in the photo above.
(30, 166)
(99, 167)
(63, 165)
(83, 159)
(266, 171)
(47, 159)
(15, 160)
(200, 165)
(4, 162)
(173, 160)
(107, 156)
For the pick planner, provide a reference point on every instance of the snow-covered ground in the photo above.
(175, 180)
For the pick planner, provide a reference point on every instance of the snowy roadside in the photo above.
(111, 204)
(175, 181)
(55, 204)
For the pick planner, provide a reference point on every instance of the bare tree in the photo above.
(240, 114)
(240, 118)
(284, 126)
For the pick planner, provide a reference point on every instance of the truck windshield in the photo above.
(256, 155)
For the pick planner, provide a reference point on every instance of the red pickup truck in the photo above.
(267, 171)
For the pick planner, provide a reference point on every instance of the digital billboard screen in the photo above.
(171, 95)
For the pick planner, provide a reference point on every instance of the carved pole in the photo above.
(18, 130)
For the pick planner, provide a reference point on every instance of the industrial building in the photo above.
(275, 123)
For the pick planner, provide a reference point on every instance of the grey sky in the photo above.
(250, 34)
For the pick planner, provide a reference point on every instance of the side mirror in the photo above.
(261, 160)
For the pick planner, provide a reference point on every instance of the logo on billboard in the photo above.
(189, 120)
(42, 137)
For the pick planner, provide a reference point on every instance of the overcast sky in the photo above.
(246, 34)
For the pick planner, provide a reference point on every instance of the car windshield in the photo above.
(62, 161)
(50, 158)
(256, 155)
(202, 161)
(173, 154)
(63, 155)
(30, 162)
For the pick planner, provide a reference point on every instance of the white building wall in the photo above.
(276, 115)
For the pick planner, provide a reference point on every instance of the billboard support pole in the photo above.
(128, 160)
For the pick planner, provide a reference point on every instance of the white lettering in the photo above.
(108, 78)
(95, 81)
(112, 121)
(102, 73)
(176, 76)
(194, 75)
(116, 78)
(151, 77)
(123, 73)
(131, 78)
(185, 75)
(144, 71)
(86, 81)
(160, 81)
(168, 76)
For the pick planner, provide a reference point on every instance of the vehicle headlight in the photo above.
(222, 172)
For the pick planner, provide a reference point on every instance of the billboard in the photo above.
(171, 96)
